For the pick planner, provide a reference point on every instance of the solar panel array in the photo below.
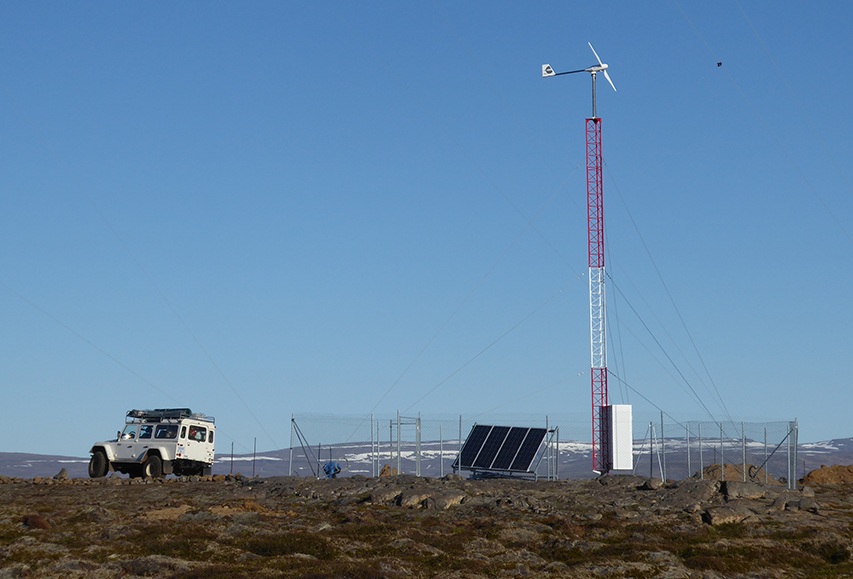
(500, 448)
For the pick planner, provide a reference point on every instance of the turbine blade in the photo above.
(595, 53)
(607, 76)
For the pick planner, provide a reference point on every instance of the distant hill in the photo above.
(354, 459)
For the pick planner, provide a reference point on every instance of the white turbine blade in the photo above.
(547, 70)
(607, 76)
(596, 54)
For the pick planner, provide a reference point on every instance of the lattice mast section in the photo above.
(597, 299)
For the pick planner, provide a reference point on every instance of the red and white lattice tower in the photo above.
(601, 434)
(597, 296)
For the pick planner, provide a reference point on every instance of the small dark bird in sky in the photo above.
(719, 64)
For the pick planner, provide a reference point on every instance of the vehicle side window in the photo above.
(166, 431)
(210, 437)
(198, 433)
(183, 431)
(145, 431)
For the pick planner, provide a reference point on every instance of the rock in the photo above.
(688, 494)
(446, 499)
(741, 490)
(651, 484)
(387, 471)
(62, 474)
(809, 504)
(413, 498)
(715, 516)
(385, 496)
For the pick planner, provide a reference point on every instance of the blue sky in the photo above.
(272, 208)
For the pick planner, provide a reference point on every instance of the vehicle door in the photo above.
(198, 444)
(127, 445)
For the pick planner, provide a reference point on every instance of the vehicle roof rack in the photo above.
(159, 414)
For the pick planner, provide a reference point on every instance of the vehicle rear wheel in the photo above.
(98, 465)
(152, 467)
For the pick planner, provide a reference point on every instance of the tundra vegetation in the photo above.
(403, 526)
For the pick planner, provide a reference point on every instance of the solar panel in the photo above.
(491, 446)
(505, 457)
(472, 446)
(500, 448)
(527, 449)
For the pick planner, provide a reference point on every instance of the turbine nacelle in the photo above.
(548, 70)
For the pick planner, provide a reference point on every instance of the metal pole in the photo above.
(796, 443)
(651, 449)
(399, 464)
(254, 455)
(440, 451)
(743, 448)
(687, 433)
(662, 449)
(232, 458)
(549, 455)
(701, 463)
(418, 446)
(788, 452)
(460, 438)
(765, 455)
(372, 449)
(290, 461)
(557, 466)
(722, 458)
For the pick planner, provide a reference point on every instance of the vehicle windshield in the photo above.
(129, 431)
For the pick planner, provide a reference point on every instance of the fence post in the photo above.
(290, 462)
(440, 450)
(399, 464)
(743, 448)
(651, 449)
(460, 438)
(722, 458)
(701, 462)
(418, 446)
(557, 460)
(372, 449)
(662, 450)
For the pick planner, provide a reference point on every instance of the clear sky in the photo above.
(266, 208)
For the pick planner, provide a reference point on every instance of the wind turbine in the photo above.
(593, 70)
(611, 446)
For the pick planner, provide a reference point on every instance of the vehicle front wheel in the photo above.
(98, 465)
(152, 467)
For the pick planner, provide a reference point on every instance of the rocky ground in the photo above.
(402, 526)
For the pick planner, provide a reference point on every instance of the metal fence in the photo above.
(764, 452)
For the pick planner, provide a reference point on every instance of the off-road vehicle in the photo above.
(157, 442)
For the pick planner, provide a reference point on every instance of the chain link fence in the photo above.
(763, 452)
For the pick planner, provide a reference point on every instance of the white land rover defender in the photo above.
(157, 442)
